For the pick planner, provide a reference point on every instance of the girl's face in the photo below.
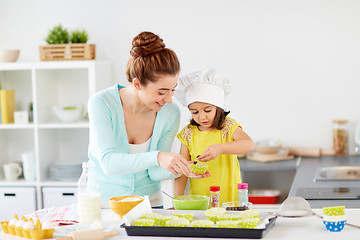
(155, 94)
(203, 114)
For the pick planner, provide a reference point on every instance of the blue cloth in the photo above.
(116, 171)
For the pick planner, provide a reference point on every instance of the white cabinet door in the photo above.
(58, 196)
(17, 200)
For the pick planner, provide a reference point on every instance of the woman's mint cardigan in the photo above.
(117, 172)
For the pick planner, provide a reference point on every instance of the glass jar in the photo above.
(215, 196)
(340, 137)
(243, 194)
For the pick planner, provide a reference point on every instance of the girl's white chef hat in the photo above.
(203, 86)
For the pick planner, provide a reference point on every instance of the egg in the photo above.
(47, 225)
(20, 223)
(29, 225)
(13, 221)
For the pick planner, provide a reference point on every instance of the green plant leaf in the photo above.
(58, 35)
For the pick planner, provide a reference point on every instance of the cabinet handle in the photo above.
(68, 194)
(9, 194)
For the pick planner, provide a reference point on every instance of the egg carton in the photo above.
(37, 233)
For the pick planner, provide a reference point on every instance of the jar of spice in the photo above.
(215, 196)
(340, 137)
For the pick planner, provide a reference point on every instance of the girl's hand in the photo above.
(211, 152)
(174, 162)
(197, 176)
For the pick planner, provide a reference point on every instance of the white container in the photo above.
(17, 200)
(58, 196)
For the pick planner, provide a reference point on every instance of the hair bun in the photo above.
(146, 43)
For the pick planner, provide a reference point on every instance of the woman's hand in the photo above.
(174, 162)
(211, 152)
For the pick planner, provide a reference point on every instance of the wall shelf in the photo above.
(47, 84)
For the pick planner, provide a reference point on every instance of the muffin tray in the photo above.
(255, 233)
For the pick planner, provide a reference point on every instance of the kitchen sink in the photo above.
(338, 173)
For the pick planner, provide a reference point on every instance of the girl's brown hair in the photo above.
(218, 120)
(150, 57)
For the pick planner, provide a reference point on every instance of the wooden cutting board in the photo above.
(283, 154)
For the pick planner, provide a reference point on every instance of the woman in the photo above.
(132, 128)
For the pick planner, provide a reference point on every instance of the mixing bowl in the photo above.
(191, 202)
(123, 204)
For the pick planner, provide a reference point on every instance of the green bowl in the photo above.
(191, 202)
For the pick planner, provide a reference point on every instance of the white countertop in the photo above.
(284, 228)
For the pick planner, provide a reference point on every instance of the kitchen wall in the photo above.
(294, 65)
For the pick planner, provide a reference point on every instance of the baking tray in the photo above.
(199, 232)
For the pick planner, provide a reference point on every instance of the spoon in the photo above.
(295, 206)
(167, 195)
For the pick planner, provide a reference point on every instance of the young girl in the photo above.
(211, 136)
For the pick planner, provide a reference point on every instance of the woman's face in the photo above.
(155, 94)
(203, 114)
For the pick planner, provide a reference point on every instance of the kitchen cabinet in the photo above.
(48, 84)
(58, 196)
(17, 200)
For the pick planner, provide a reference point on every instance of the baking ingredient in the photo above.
(13, 222)
(47, 225)
(340, 137)
(20, 223)
(130, 199)
(243, 194)
(29, 225)
(215, 196)
(89, 200)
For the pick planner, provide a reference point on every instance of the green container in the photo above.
(191, 202)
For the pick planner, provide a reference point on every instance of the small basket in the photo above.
(66, 52)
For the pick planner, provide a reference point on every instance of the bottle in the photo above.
(215, 196)
(243, 194)
(340, 137)
(89, 200)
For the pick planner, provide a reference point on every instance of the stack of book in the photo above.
(7, 106)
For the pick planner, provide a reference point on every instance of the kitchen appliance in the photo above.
(341, 193)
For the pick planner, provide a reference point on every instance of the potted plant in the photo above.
(66, 45)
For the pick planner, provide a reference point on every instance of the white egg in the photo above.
(13, 221)
(29, 225)
(20, 223)
(47, 225)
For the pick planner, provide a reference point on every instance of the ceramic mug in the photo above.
(28, 160)
(12, 171)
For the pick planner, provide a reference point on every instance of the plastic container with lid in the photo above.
(215, 196)
(243, 193)
(340, 137)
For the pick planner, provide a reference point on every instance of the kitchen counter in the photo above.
(306, 172)
(284, 228)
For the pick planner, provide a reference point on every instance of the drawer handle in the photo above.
(68, 194)
(9, 194)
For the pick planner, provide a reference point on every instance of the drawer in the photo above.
(58, 196)
(17, 200)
